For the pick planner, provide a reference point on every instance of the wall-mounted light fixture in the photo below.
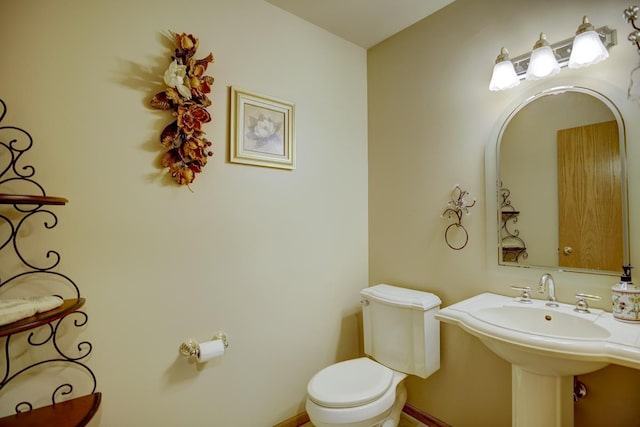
(504, 73)
(543, 61)
(588, 47)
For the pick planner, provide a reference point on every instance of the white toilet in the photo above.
(402, 337)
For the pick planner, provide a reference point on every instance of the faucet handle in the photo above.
(525, 297)
(581, 304)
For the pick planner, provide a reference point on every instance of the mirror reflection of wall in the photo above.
(528, 166)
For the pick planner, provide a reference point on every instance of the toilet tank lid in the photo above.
(403, 297)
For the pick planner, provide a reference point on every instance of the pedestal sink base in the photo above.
(546, 347)
(541, 400)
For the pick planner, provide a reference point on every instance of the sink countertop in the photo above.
(621, 346)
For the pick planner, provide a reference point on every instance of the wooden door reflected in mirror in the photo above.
(589, 192)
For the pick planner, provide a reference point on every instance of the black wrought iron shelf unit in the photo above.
(513, 247)
(20, 216)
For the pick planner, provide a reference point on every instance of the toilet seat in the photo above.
(350, 383)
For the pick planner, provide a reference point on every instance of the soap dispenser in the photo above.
(625, 298)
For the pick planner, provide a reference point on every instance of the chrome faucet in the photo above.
(547, 280)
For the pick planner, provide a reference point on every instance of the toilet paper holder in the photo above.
(191, 347)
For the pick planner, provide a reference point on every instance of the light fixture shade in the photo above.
(504, 74)
(543, 62)
(588, 48)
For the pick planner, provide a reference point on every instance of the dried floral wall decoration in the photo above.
(186, 98)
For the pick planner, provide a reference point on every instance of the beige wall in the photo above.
(273, 258)
(431, 117)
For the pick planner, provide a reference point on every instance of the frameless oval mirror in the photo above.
(561, 168)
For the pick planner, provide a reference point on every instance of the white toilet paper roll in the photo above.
(210, 350)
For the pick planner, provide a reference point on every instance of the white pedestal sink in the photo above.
(546, 347)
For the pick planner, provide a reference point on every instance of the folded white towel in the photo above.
(12, 310)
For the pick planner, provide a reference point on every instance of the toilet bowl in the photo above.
(356, 393)
(401, 337)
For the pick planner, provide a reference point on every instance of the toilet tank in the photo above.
(400, 329)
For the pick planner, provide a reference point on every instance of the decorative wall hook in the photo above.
(457, 206)
(631, 15)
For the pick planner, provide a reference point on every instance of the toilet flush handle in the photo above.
(364, 302)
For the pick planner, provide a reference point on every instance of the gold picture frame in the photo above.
(261, 130)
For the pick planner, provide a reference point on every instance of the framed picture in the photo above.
(261, 130)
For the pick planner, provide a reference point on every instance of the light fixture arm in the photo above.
(585, 26)
(503, 56)
(542, 41)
